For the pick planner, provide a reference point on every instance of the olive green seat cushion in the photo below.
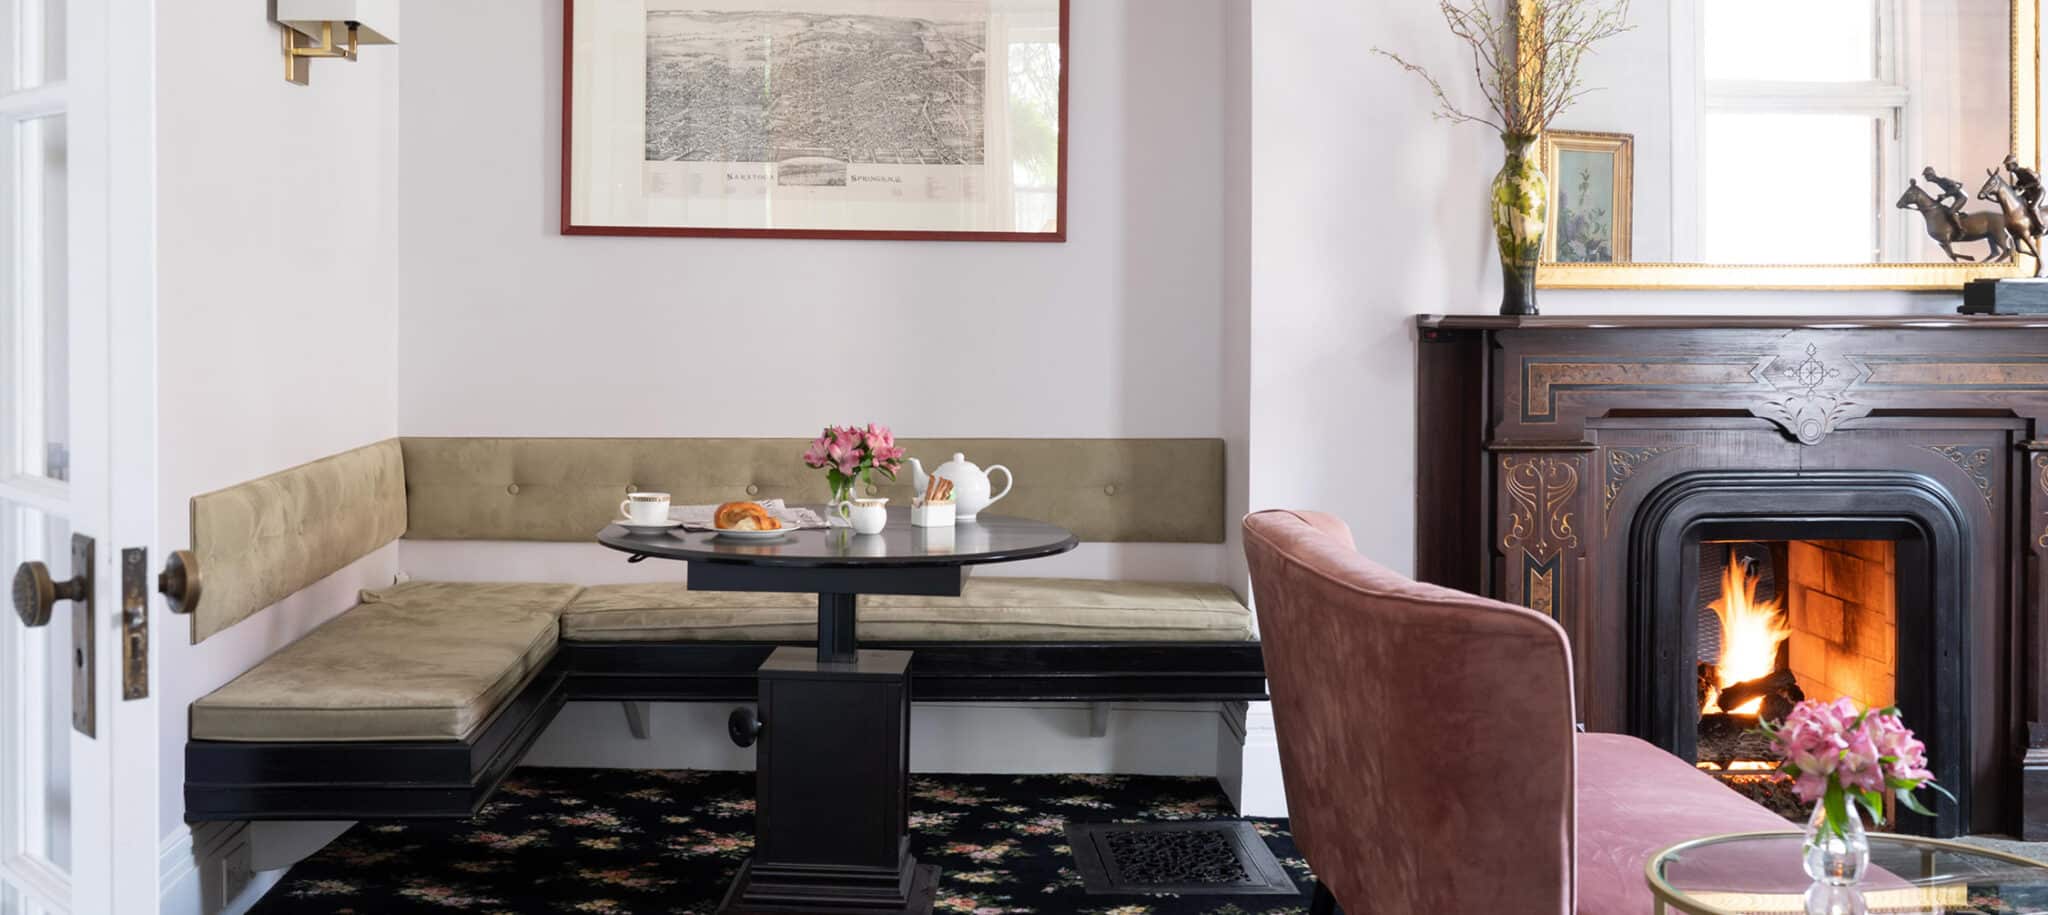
(990, 609)
(418, 661)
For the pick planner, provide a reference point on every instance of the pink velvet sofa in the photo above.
(1428, 745)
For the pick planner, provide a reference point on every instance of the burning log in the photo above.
(1778, 705)
(1778, 684)
(1728, 739)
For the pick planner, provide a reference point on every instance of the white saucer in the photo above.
(655, 528)
(776, 534)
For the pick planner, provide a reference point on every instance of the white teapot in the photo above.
(970, 484)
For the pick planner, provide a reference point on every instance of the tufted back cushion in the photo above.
(565, 489)
(260, 542)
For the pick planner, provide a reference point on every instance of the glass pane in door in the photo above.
(39, 405)
(31, 43)
(36, 667)
(52, 39)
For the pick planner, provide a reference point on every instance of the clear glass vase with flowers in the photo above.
(1841, 759)
(850, 457)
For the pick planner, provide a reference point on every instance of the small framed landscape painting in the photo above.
(877, 119)
(1592, 190)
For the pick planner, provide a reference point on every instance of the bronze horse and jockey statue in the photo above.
(2021, 223)
(2019, 206)
(2014, 229)
(1947, 224)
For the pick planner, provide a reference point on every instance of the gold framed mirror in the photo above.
(1782, 147)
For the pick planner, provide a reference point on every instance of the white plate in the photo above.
(655, 528)
(777, 534)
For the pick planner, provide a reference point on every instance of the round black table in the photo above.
(833, 769)
(837, 564)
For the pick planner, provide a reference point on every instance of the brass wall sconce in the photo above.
(332, 29)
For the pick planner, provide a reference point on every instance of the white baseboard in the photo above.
(204, 870)
(1261, 792)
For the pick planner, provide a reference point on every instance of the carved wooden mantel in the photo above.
(1541, 436)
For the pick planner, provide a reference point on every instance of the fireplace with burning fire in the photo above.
(1785, 620)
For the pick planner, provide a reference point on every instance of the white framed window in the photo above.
(1803, 114)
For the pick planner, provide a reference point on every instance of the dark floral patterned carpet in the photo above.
(612, 841)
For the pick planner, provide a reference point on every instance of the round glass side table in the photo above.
(1756, 873)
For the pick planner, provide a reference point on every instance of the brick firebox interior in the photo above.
(1841, 608)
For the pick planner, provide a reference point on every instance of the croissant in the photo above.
(744, 516)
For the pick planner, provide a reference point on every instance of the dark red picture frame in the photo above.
(569, 228)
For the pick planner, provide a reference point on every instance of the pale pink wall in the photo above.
(277, 305)
(509, 328)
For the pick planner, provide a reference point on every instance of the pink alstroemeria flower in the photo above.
(816, 455)
(846, 449)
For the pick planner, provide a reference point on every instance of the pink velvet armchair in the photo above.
(1428, 748)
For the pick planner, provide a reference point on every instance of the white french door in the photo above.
(66, 846)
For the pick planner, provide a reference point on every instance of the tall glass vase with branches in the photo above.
(1527, 63)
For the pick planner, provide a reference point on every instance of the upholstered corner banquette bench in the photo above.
(418, 700)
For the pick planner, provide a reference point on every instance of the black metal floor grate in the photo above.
(1213, 857)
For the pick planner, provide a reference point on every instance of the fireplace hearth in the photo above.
(1729, 515)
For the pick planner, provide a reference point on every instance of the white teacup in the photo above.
(868, 516)
(645, 508)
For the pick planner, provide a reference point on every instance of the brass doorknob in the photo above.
(179, 581)
(36, 595)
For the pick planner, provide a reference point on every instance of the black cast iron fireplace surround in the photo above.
(1542, 439)
(1918, 515)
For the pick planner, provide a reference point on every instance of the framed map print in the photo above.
(1592, 188)
(877, 119)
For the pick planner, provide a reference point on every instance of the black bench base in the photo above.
(369, 780)
(402, 780)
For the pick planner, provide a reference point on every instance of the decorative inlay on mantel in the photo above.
(1810, 402)
(1803, 392)
(1622, 464)
(2005, 373)
(1539, 584)
(1805, 389)
(1973, 461)
(2041, 481)
(1540, 489)
(1540, 492)
(1544, 378)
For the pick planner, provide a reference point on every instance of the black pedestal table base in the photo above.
(834, 788)
(832, 813)
(749, 893)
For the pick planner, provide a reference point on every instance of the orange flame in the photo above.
(1751, 631)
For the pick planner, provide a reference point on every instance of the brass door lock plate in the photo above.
(84, 646)
(134, 623)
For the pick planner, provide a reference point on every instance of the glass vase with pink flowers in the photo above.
(1841, 759)
(850, 457)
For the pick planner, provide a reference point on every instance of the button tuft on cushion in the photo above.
(1109, 490)
(513, 489)
(752, 489)
(630, 489)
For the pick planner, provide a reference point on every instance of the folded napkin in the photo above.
(698, 517)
